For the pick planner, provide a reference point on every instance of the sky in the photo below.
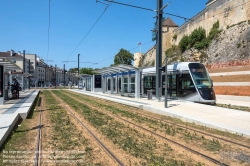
(58, 30)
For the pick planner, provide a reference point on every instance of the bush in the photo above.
(197, 36)
(183, 45)
(214, 31)
(175, 36)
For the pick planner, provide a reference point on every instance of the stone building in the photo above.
(227, 12)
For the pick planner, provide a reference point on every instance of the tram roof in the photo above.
(8, 64)
(116, 69)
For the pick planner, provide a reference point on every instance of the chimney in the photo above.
(12, 52)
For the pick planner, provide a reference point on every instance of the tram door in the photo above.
(172, 85)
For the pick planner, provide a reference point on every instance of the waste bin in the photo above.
(6, 93)
(149, 92)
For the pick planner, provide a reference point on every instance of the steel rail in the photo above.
(183, 127)
(93, 135)
(165, 138)
(39, 137)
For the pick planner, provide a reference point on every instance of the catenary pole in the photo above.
(64, 75)
(78, 63)
(158, 89)
(29, 73)
(166, 83)
(55, 76)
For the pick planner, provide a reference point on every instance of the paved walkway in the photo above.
(211, 116)
(13, 110)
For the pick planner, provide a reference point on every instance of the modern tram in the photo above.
(186, 81)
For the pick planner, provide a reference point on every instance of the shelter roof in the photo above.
(116, 69)
(8, 64)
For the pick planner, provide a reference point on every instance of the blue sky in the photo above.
(24, 25)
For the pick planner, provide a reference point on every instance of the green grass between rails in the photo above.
(130, 140)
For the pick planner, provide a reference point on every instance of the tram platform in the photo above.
(224, 119)
(13, 110)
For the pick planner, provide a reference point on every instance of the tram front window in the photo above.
(200, 75)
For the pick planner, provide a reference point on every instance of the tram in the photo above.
(185, 81)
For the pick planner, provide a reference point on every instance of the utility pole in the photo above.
(159, 11)
(78, 63)
(23, 61)
(29, 73)
(55, 76)
(64, 75)
(158, 89)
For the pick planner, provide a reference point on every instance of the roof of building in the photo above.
(7, 54)
(169, 23)
(8, 64)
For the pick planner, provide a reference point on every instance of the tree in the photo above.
(183, 44)
(73, 70)
(86, 70)
(197, 36)
(123, 57)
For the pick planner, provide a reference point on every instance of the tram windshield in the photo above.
(200, 75)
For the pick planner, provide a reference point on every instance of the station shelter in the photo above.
(119, 79)
(6, 67)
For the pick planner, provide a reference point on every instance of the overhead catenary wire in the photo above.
(48, 31)
(88, 31)
(128, 50)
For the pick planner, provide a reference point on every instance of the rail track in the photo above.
(107, 150)
(177, 125)
(211, 159)
(38, 151)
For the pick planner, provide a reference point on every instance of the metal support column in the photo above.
(55, 76)
(137, 84)
(111, 85)
(166, 83)
(29, 73)
(159, 50)
(129, 83)
(64, 75)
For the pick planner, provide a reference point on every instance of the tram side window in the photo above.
(187, 82)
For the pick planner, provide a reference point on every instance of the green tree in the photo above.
(87, 70)
(183, 45)
(123, 57)
(73, 70)
(197, 36)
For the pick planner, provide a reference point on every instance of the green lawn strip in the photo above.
(241, 108)
(171, 130)
(18, 136)
(130, 140)
(65, 137)
(188, 136)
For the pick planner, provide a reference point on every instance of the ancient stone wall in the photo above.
(148, 59)
(228, 12)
